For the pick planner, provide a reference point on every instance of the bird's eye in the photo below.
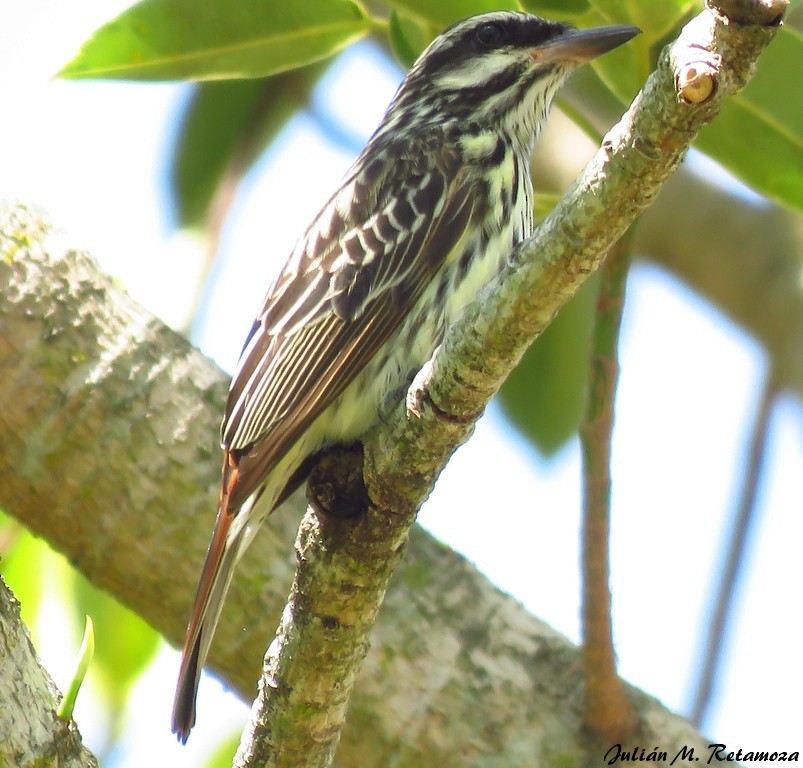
(490, 34)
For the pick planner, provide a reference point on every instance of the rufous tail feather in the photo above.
(229, 540)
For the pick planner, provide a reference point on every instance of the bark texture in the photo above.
(31, 734)
(104, 436)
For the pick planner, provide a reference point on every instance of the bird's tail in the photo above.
(230, 539)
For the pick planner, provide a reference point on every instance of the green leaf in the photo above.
(758, 135)
(441, 14)
(544, 203)
(407, 38)
(544, 397)
(556, 9)
(23, 562)
(126, 644)
(224, 128)
(85, 654)
(624, 70)
(655, 18)
(214, 39)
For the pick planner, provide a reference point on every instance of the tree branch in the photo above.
(404, 457)
(744, 256)
(104, 450)
(607, 710)
(105, 421)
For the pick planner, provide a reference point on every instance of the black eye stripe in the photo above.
(461, 44)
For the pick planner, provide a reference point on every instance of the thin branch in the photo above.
(108, 432)
(620, 182)
(404, 457)
(105, 452)
(346, 553)
(607, 710)
(723, 605)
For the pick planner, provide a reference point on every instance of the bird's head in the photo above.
(499, 66)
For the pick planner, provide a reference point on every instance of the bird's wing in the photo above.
(348, 286)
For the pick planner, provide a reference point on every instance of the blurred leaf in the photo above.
(544, 396)
(589, 103)
(557, 9)
(544, 203)
(22, 566)
(223, 756)
(655, 18)
(124, 646)
(624, 70)
(442, 14)
(407, 39)
(224, 128)
(214, 39)
(758, 135)
(125, 643)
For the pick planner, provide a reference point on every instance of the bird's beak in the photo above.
(577, 46)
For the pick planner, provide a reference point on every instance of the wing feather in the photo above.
(331, 310)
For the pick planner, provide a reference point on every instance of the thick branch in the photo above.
(108, 431)
(403, 459)
(104, 450)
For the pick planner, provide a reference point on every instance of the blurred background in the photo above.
(104, 160)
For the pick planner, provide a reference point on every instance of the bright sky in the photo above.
(93, 155)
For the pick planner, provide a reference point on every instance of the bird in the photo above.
(426, 217)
